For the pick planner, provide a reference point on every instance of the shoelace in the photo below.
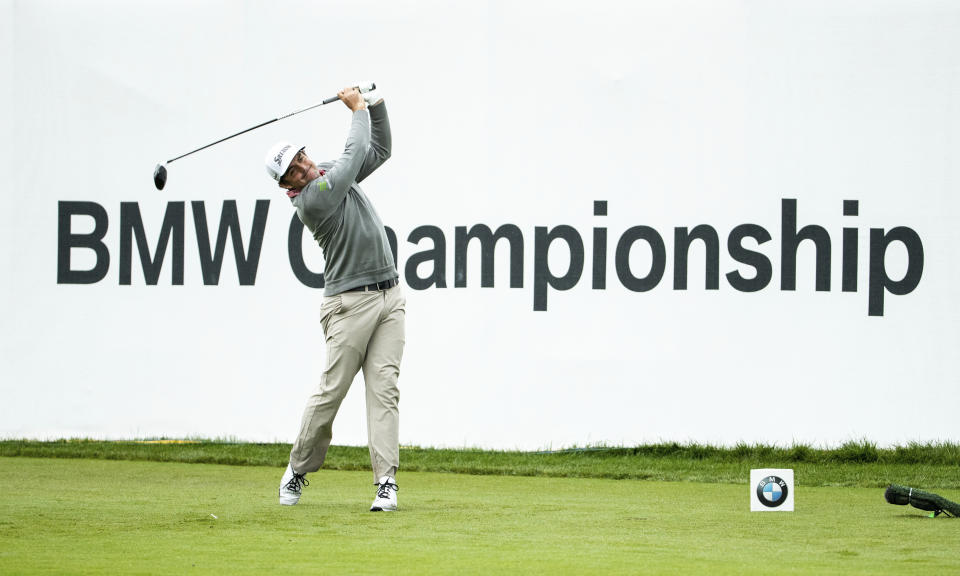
(383, 491)
(297, 483)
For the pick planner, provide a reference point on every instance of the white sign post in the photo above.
(771, 490)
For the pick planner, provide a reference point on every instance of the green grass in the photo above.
(930, 466)
(81, 516)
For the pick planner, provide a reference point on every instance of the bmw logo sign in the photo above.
(772, 491)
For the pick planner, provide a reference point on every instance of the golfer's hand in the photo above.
(352, 98)
(372, 97)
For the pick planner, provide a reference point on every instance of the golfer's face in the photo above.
(301, 172)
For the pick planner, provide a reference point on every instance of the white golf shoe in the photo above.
(386, 500)
(291, 486)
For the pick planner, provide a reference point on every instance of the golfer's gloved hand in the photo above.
(372, 97)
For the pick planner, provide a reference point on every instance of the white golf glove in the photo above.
(372, 97)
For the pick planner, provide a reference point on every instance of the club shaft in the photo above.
(228, 137)
(294, 113)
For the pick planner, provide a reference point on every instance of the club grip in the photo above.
(363, 88)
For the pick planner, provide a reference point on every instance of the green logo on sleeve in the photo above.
(323, 186)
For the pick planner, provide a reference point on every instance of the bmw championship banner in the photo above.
(613, 222)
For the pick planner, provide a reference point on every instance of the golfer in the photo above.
(362, 314)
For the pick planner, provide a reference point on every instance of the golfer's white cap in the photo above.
(279, 157)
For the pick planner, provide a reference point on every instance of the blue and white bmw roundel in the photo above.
(772, 491)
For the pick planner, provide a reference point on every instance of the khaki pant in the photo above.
(364, 330)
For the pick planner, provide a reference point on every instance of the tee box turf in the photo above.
(771, 490)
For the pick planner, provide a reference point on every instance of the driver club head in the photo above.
(160, 176)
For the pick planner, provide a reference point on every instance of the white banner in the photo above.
(614, 222)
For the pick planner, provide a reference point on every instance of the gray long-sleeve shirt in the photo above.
(341, 217)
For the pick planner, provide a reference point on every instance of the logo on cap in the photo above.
(279, 157)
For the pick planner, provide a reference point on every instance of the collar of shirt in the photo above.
(295, 193)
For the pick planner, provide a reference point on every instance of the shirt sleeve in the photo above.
(329, 190)
(381, 142)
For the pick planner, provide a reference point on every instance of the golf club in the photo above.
(160, 172)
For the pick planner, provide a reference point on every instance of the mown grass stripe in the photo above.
(930, 465)
(108, 517)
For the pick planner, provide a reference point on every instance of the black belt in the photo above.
(385, 285)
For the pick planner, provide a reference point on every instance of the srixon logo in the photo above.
(751, 270)
(279, 156)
